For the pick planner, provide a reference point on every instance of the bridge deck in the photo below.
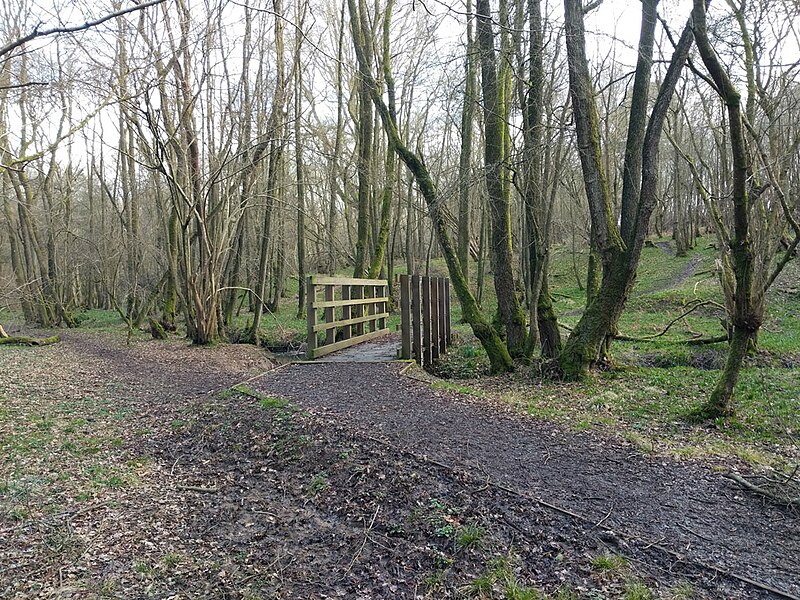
(383, 349)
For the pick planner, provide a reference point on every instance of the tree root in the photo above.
(29, 341)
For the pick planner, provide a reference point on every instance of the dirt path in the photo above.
(686, 273)
(684, 507)
(127, 474)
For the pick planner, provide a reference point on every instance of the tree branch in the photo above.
(35, 34)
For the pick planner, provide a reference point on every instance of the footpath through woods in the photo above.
(130, 471)
(685, 508)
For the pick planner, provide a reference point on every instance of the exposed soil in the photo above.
(684, 507)
(363, 494)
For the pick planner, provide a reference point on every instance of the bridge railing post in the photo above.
(311, 318)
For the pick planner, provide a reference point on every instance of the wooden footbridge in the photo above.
(348, 319)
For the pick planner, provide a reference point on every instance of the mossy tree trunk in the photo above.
(618, 249)
(496, 169)
(465, 156)
(542, 318)
(364, 132)
(748, 299)
(382, 237)
(496, 351)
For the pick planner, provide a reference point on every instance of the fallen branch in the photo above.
(29, 341)
(711, 340)
(784, 499)
(693, 306)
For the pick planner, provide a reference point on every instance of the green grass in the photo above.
(661, 381)
(500, 575)
(464, 390)
(318, 484)
(264, 400)
(612, 564)
(470, 536)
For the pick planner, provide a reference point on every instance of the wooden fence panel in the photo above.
(425, 317)
(362, 302)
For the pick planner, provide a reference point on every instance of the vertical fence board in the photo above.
(385, 293)
(425, 317)
(441, 312)
(434, 308)
(347, 330)
(426, 321)
(371, 307)
(330, 313)
(405, 316)
(416, 317)
(357, 292)
(448, 333)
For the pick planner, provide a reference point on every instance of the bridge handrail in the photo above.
(356, 295)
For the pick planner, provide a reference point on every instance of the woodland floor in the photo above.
(137, 472)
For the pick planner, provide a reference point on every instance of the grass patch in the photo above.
(464, 390)
(500, 575)
(610, 564)
(470, 536)
(264, 400)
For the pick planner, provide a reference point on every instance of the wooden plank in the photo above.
(386, 306)
(326, 280)
(347, 330)
(434, 318)
(370, 293)
(353, 302)
(351, 321)
(341, 345)
(442, 339)
(426, 321)
(405, 316)
(311, 318)
(448, 332)
(357, 292)
(416, 319)
(330, 335)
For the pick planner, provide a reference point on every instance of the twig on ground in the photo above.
(197, 488)
(367, 529)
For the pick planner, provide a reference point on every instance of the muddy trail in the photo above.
(687, 509)
(365, 489)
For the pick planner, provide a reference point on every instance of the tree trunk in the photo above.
(619, 257)
(748, 310)
(465, 157)
(498, 355)
(364, 162)
(300, 176)
(276, 144)
(511, 313)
